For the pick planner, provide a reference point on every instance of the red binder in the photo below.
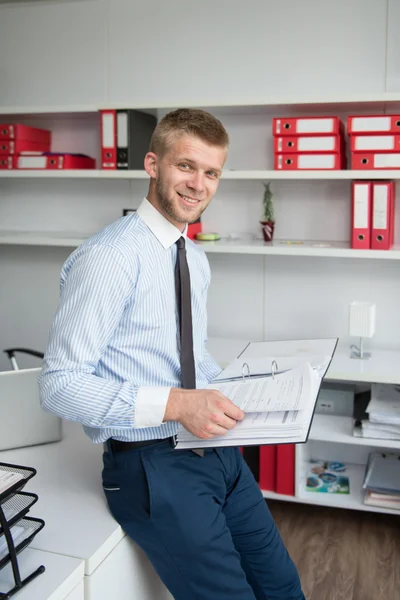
(310, 143)
(307, 126)
(375, 143)
(361, 215)
(293, 162)
(194, 228)
(14, 131)
(285, 468)
(267, 476)
(6, 162)
(377, 160)
(108, 130)
(54, 161)
(382, 223)
(368, 124)
(8, 147)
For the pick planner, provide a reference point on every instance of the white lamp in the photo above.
(361, 324)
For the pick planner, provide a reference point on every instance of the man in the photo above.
(122, 360)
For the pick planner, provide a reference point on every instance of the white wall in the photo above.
(77, 52)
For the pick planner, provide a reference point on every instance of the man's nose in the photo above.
(196, 182)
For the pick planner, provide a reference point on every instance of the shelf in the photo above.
(372, 100)
(332, 428)
(275, 248)
(354, 500)
(292, 248)
(226, 175)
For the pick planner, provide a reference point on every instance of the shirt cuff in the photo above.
(150, 406)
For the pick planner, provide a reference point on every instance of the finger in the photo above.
(226, 422)
(233, 411)
(212, 429)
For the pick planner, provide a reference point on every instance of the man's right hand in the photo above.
(205, 413)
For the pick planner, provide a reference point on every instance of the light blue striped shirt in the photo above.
(113, 350)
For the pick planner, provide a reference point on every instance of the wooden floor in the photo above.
(341, 554)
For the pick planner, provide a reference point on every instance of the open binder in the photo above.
(276, 384)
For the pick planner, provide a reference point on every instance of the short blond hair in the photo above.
(190, 121)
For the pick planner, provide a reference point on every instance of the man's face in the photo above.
(187, 177)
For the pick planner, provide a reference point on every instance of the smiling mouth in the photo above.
(189, 199)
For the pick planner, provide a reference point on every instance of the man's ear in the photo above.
(150, 164)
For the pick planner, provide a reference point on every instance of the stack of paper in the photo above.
(278, 407)
(382, 480)
(8, 479)
(383, 412)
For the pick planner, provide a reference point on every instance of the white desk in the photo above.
(61, 580)
(78, 524)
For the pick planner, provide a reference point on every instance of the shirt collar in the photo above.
(166, 233)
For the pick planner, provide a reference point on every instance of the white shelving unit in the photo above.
(383, 366)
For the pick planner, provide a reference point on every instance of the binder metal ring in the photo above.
(274, 368)
(243, 371)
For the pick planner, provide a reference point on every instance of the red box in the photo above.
(6, 162)
(11, 131)
(375, 160)
(382, 215)
(22, 146)
(54, 161)
(361, 202)
(308, 144)
(368, 124)
(306, 126)
(299, 162)
(375, 143)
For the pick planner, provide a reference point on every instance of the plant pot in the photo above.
(268, 230)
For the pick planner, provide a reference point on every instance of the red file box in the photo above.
(307, 126)
(375, 143)
(310, 143)
(14, 131)
(6, 162)
(361, 200)
(382, 215)
(8, 147)
(367, 124)
(54, 161)
(375, 160)
(108, 131)
(285, 469)
(267, 477)
(289, 162)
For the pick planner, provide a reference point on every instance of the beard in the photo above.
(169, 209)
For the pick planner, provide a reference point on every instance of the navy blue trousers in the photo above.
(202, 522)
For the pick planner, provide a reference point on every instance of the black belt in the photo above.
(118, 446)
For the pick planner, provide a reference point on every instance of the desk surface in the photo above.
(71, 499)
(62, 574)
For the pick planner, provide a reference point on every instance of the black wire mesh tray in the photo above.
(17, 507)
(32, 527)
(26, 472)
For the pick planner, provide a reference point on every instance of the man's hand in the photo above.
(205, 413)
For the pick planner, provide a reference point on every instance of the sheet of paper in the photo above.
(287, 391)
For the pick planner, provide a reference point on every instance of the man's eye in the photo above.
(213, 173)
(184, 165)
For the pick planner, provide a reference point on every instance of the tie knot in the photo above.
(181, 243)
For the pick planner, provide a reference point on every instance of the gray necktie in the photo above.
(182, 284)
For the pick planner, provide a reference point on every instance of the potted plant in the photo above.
(268, 217)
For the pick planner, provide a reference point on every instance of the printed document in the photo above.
(278, 402)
